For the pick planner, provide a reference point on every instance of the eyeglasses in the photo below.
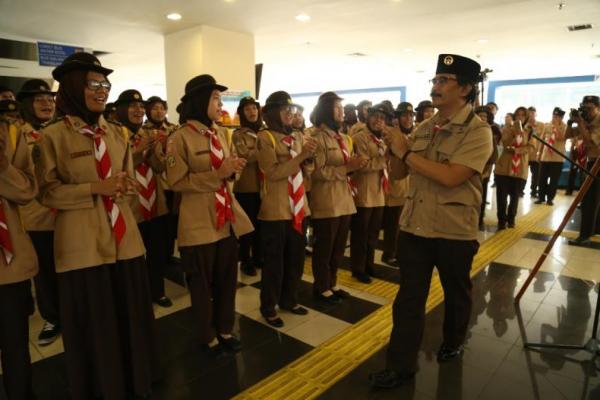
(442, 80)
(96, 85)
(289, 109)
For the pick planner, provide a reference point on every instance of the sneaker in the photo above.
(389, 379)
(448, 353)
(49, 334)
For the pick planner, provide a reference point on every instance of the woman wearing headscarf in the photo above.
(150, 205)
(510, 173)
(247, 187)
(201, 166)
(332, 201)
(37, 108)
(362, 111)
(86, 173)
(285, 158)
(551, 162)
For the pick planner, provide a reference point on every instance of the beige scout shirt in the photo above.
(275, 162)
(398, 187)
(190, 171)
(368, 179)
(535, 147)
(162, 133)
(593, 146)
(154, 156)
(330, 197)
(244, 141)
(357, 127)
(504, 164)
(431, 209)
(35, 216)
(17, 187)
(83, 235)
(555, 133)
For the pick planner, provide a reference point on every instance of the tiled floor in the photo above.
(557, 308)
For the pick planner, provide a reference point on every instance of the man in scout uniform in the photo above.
(444, 159)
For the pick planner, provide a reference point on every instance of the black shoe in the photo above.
(275, 322)
(342, 294)
(298, 310)
(49, 334)
(372, 273)
(549, 203)
(362, 277)
(511, 224)
(232, 344)
(389, 379)
(216, 352)
(448, 353)
(248, 269)
(389, 260)
(175, 260)
(333, 299)
(580, 241)
(164, 302)
(540, 201)
(501, 225)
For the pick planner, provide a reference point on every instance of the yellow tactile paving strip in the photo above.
(565, 234)
(318, 370)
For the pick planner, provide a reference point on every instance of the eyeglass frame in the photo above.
(101, 84)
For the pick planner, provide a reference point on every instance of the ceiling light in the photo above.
(174, 16)
(482, 41)
(303, 17)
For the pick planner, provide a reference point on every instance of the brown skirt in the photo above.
(108, 328)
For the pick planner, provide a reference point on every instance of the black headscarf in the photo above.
(324, 113)
(195, 106)
(28, 113)
(148, 108)
(255, 126)
(70, 99)
(123, 117)
(272, 118)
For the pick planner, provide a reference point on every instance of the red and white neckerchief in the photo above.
(104, 168)
(147, 194)
(295, 189)
(385, 179)
(346, 154)
(222, 196)
(516, 158)
(552, 140)
(5, 242)
(581, 151)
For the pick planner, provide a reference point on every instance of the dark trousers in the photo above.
(172, 222)
(590, 209)
(16, 305)
(46, 285)
(534, 167)
(211, 271)
(485, 182)
(507, 187)
(390, 224)
(250, 251)
(574, 177)
(283, 250)
(419, 257)
(157, 256)
(331, 235)
(365, 227)
(549, 176)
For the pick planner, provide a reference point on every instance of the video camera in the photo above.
(580, 112)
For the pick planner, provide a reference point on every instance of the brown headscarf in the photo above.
(70, 99)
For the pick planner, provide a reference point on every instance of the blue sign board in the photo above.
(51, 54)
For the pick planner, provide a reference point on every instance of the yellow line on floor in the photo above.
(316, 371)
(565, 234)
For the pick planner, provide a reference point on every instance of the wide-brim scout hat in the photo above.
(458, 65)
(592, 99)
(33, 87)
(201, 82)
(558, 111)
(381, 108)
(245, 101)
(80, 61)
(404, 107)
(8, 106)
(278, 99)
(129, 96)
(155, 99)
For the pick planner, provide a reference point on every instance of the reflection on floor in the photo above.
(557, 308)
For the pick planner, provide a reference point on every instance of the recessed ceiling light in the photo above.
(174, 16)
(482, 41)
(303, 17)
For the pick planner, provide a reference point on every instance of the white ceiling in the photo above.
(525, 38)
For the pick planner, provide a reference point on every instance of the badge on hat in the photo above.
(409, 108)
(136, 96)
(449, 60)
(12, 107)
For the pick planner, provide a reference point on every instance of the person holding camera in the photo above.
(444, 158)
(587, 118)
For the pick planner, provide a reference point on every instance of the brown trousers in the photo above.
(331, 235)
(283, 250)
(365, 227)
(419, 256)
(16, 305)
(211, 272)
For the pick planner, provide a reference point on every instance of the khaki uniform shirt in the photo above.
(433, 210)
(357, 127)
(368, 179)
(535, 148)
(35, 216)
(83, 235)
(154, 156)
(398, 187)
(504, 163)
(593, 146)
(17, 187)
(162, 132)
(190, 171)
(275, 162)
(244, 141)
(330, 197)
(547, 154)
